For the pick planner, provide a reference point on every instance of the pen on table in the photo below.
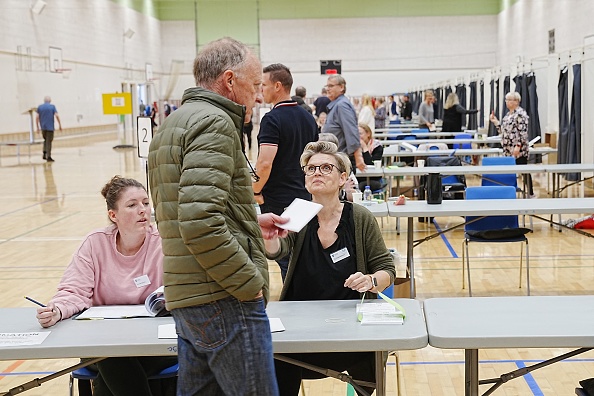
(35, 301)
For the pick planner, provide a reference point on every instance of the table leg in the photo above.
(380, 372)
(471, 372)
(410, 262)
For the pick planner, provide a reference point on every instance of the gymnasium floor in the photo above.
(47, 208)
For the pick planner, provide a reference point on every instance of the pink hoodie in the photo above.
(99, 275)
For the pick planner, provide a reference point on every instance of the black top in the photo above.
(321, 104)
(406, 110)
(290, 128)
(453, 118)
(317, 276)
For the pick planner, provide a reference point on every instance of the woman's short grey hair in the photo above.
(513, 96)
(218, 56)
(328, 137)
(320, 147)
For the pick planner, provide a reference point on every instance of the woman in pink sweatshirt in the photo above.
(117, 265)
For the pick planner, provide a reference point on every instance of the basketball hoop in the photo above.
(64, 72)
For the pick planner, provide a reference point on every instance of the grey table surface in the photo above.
(510, 322)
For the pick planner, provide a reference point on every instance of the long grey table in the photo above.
(394, 151)
(479, 207)
(311, 326)
(509, 322)
(331, 326)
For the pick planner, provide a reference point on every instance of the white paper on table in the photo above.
(276, 325)
(167, 331)
(115, 312)
(300, 212)
(17, 339)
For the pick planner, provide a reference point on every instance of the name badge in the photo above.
(142, 281)
(340, 255)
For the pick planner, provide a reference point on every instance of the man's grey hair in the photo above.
(513, 96)
(216, 57)
(300, 91)
(339, 80)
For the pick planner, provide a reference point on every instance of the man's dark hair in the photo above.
(300, 91)
(280, 73)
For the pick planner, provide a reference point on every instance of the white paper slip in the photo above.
(167, 331)
(300, 212)
(18, 339)
(276, 325)
(115, 312)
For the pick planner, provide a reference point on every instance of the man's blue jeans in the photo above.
(225, 348)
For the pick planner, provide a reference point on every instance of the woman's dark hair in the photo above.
(114, 188)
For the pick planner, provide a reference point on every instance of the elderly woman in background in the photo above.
(426, 113)
(514, 134)
(381, 113)
(367, 112)
(337, 256)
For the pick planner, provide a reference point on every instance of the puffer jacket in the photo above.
(204, 204)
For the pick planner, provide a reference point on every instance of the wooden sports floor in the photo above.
(47, 208)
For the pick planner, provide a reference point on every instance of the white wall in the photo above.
(381, 55)
(90, 34)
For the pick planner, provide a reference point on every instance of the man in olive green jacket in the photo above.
(216, 274)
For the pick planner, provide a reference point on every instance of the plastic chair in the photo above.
(505, 179)
(500, 224)
(463, 145)
(85, 375)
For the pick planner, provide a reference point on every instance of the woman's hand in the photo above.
(49, 315)
(364, 147)
(516, 152)
(359, 282)
(494, 119)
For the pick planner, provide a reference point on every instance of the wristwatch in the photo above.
(373, 281)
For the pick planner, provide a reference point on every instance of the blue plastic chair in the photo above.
(505, 179)
(85, 375)
(492, 224)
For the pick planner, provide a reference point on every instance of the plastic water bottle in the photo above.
(367, 195)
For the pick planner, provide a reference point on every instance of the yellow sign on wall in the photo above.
(117, 103)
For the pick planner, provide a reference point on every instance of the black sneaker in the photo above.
(50, 159)
(44, 156)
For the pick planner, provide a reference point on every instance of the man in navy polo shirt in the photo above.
(45, 123)
(284, 132)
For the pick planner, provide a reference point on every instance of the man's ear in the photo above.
(228, 78)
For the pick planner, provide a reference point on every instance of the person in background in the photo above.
(216, 273)
(45, 125)
(372, 151)
(406, 108)
(338, 255)
(367, 112)
(154, 112)
(300, 93)
(514, 134)
(117, 265)
(342, 121)
(393, 107)
(284, 132)
(426, 114)
(246, 130)
(321, 103)
(454, 113)
(380, 114)
(141, 107)
(321, 121)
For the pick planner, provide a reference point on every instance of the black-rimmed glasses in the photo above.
(325, 169)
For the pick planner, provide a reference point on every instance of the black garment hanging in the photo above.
(472, 121)
(461, 92)
(504, 109)
(532, 109)
(563, 138)
(438, 107)
(575, 124)
(482, 105)
(494, 109)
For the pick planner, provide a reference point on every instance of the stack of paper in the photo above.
(379, 313)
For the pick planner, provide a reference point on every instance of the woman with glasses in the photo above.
(337, 256)
(514, 134)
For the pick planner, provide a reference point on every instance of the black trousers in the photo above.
(360, 365)
(526, 176)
